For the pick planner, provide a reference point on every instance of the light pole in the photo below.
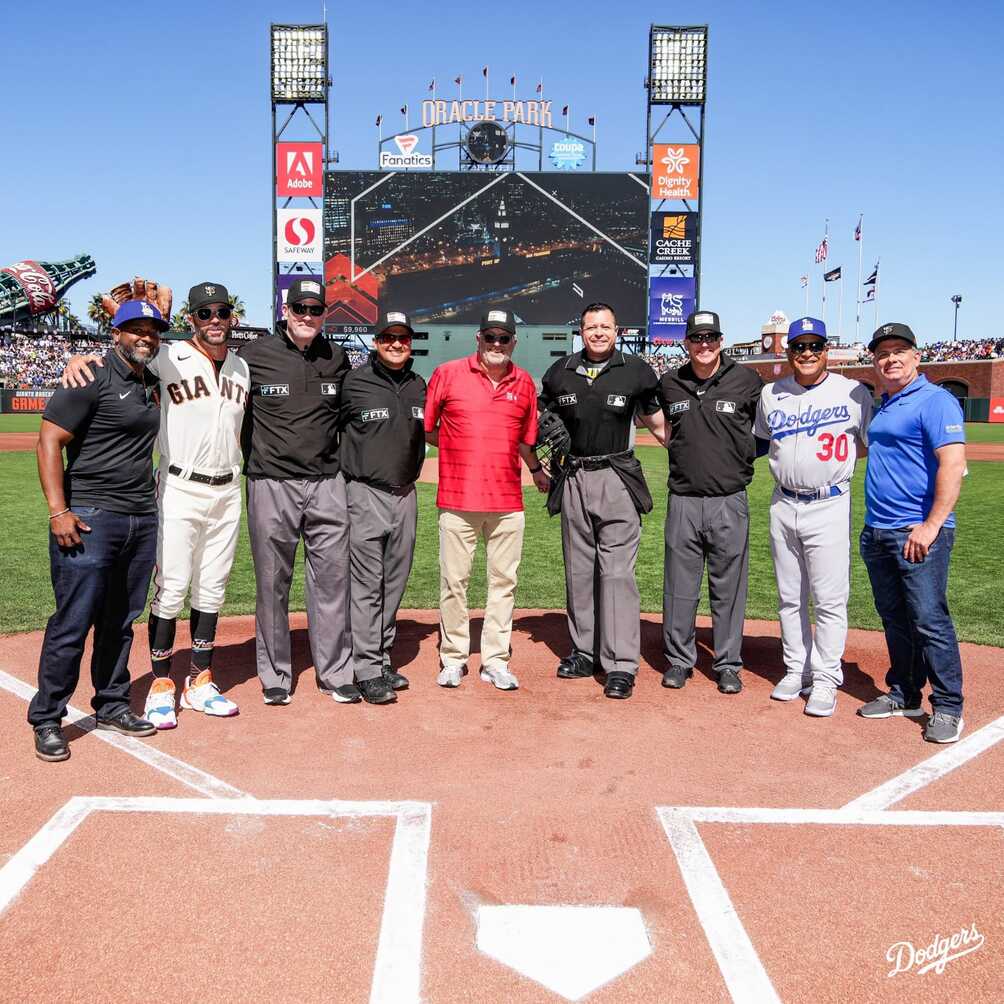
(955, 332)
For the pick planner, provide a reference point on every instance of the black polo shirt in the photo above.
(599, 415)
(114, 420)
(291, 425)
(710, 422)
(383, 425)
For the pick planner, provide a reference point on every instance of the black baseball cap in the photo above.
(894, 330)
(394, 319)
(501, 319)
(305, 289)
(206, 292)
(703, 320)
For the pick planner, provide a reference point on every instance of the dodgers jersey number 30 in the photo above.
(812, 429)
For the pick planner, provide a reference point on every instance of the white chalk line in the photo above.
(186, 774)
(397, 969)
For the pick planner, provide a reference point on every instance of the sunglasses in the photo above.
(389, 339)
(496, 339)
(816, 348)
(703, 336)
(301, 308)
(207, 313)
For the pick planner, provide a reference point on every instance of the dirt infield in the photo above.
(541, 845)
(16, 442)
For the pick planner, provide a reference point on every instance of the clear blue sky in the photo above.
(143, 138)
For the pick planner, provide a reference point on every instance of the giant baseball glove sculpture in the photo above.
(139, 289)
(553, 441)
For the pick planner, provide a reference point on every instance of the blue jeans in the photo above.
(919, 633)
(103, 584)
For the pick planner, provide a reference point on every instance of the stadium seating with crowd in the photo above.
(957, 351)
(29, 362)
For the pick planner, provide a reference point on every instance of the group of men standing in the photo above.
(332, 456)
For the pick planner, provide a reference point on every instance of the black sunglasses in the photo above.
(493, 339)
(703, 336)
(301, 308)
(207, 313)
(816, 348)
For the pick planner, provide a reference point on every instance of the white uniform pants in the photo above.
(810, 545)
(196, 540)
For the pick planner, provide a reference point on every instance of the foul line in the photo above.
(186, 774)
(397, 970)
(937, 766)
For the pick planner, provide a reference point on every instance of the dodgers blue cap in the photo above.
(807, 326)
(139, 310)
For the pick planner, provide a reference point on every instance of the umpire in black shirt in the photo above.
(709, 403)
(382, 450)
(601, 493)
(295, 490)
(103, 529)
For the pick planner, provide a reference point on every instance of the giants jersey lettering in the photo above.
(201, 413)
(812, 430)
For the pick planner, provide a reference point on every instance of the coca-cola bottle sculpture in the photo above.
(30, 288)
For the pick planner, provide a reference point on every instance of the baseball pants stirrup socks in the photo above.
(162, 631)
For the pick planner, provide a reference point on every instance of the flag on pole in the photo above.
(857, 229)
(823, 250)
(540, 87)
(564, 111)
(870, 295)
(484, 72)
(432, 85)
(833, 275)
(458, 80)
(873, 278)
(804, 281)
(404, 109)
(379, 119)
(591, 120)
(512, 80)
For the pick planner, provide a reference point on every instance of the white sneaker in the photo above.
(822, 701)
(450, 676)
(499, 677)
(792, 685)
(159, 708)
(201, 694)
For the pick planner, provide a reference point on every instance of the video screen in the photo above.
(447, 246)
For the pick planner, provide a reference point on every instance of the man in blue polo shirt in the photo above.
(916, 460)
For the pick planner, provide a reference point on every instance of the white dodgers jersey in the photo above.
(812, 430)
(201, 411)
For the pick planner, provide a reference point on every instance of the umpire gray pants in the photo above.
(600, 533)
(279, 514)
(716, 531)
(381, 549)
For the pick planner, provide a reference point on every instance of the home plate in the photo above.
(571, 950)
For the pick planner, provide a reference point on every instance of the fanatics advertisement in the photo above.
(675, 170)
(447, 246)
(406, 156)
(671, 299)
(299, 169)
(298, 235)
(674, 239)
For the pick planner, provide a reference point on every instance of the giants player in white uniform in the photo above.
(817, 425)
(203, 395)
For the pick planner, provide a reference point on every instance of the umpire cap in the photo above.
(305, 289)
(501, 319)
(394, 319)
(894, 330)
(703, 320)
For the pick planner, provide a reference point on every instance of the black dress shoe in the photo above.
(127, 723)
(618, 686)
(347, 693)
(395, 680)
(575, 667)
(729, 682)
(376, 691)
(676, 677)
(276, 696)
(50, 744)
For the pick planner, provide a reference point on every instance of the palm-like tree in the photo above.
(179, 322)
(96, 313)
(237, 303)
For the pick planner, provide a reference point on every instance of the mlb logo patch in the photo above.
(329, 389)
(617, 400)
(417, 412)
(729, 407)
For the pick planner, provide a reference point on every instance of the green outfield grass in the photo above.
(26, 594)
(20, 423)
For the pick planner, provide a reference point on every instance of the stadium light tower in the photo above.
(676, 85)
(299, 79)
(957, 300)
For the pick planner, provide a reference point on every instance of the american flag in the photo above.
(823, 250)
(804, 280)
(857, 229)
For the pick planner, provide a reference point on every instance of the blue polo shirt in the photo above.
(904, 433)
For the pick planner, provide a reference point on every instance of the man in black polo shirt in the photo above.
(601, 492)
(710, 404)
(382, 450)
(295, 491)
(103, 529)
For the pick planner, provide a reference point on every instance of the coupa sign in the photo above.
(567, 154)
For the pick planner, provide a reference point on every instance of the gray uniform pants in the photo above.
(279, 514)
(715, 530)
(600, 533)
(381, 548)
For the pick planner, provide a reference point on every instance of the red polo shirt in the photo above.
(480, 429)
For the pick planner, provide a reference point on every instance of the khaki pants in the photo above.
(458, 538)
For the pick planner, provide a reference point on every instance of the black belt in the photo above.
(400, 490)
(813, 494)
(204, 479)
(596, 463)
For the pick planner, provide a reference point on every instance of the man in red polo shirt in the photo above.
(481, 412)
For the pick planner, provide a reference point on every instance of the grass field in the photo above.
(20, 423)
(26, 594)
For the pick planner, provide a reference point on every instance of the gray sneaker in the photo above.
(791, 686)
(499, 677)
(886, 706)
(822, 701)
(942, 727)
(450, 676)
